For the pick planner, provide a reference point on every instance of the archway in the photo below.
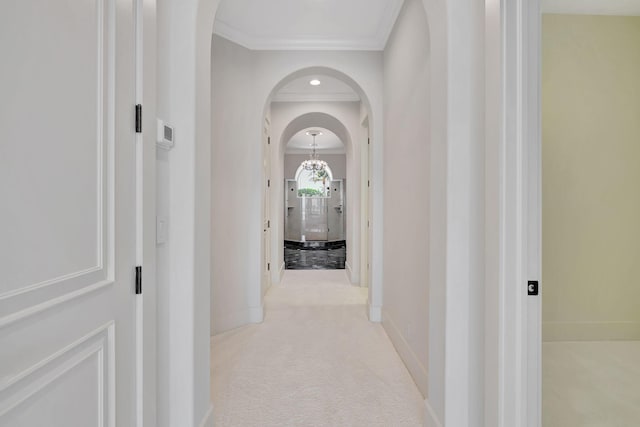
(355, 139)
(346, 128)
(190, 180)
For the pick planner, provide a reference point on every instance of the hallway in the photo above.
(316, 360)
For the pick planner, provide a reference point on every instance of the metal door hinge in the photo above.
(268, 223)
(269, 140)
(139, 118)
(268, 183)
(268, 266)
(138, 280)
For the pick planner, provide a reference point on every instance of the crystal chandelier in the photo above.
(314, 164)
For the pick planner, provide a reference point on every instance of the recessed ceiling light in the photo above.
(314, 82)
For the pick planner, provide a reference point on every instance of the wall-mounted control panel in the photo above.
(166, 136)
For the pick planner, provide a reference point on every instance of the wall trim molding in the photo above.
(375, 313)
(35, 309)
(376, 42)
(590, 331)
(430, 417)
(411, 361)
(39, 376)
(282, 268)
(207, 421)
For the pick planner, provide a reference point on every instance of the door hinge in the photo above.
(368, 183)
(368, 141)
(269, 223)
(139, 118)
(138, 280)
(269, 266)
(268, 183)
(269, 140)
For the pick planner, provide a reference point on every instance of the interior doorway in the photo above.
(315, 202)
(590, 228)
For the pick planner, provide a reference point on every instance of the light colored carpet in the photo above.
(315, 361)
(591, 384)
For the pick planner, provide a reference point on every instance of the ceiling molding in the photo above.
(592, 7)
(259, 43)
(315, 97)
(299, 151)
(388, 22)
(374, 43)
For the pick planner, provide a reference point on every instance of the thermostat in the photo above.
(166, 136)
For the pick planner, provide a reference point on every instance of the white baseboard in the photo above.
(590, 331)
(354, 278)
(256, 314)
(207, 421)
(375, 313)
(229, 320)
(430, 417)
(281, 272)
(410, 359)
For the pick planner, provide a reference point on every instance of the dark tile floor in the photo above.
(315, 255)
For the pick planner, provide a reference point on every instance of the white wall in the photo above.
(242, 83)
(237, 183)
(406, 188)
(590, 176)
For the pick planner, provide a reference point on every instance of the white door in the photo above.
(67, 213)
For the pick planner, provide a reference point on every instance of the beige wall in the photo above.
(406, 189)
(591, 177)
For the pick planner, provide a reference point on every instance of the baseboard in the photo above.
(281, 272)
(430, 417)
(375, 313)
(223, 322)
(590, 331)
(353, 277)
(256, 314)
(410, 359)
(207, 421)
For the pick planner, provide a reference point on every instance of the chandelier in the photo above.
(314, 164)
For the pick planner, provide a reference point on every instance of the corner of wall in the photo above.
(375, 313)
(430, 418)
(207, 421)
(256, 314)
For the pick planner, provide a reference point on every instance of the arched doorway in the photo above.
(194, 21)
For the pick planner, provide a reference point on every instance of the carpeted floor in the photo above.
(315, 361)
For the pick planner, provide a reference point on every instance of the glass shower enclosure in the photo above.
(315, 214)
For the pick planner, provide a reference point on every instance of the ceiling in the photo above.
(328, 143)
(330, 89)
(592, 7)
(307, 24)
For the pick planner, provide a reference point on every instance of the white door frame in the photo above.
(146, 51)
(518, 353)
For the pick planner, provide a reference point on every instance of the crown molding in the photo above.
(316, 97)
(301, 151)
(376, 43)
(388, 22)
(592, 7)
